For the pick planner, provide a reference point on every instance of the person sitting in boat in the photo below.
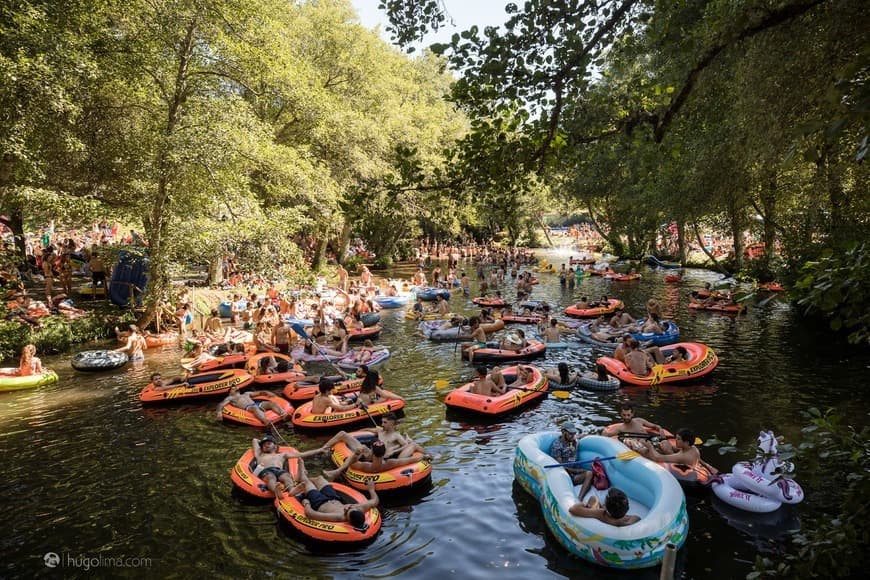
(603, 303)
(29, 364)
(372, 459)
(515, 341)
(418, 309)
(653, 306)
(600, 374)
(363, 354)
(370, 393)
(398, 445)
(486, 316)
(583, 304)
(443, 307)
(562, 375)
(157, 381)
(641, 361)
(683, 451)
(478, 335)
(246, 402)
(564, 450)
(271, 462)
(135, 344)
(325, 402)
(652, 325)
(454, 322)
(614, 511)
(323, 503)
(679, 354)
(525, 375)
(630, 423)
(621, 319)
(483, 385)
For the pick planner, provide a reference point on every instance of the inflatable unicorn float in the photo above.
(760, 485)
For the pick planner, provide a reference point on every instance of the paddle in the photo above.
(626, 455)
(297, 328)
(365, 409)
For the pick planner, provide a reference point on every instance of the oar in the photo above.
(365, 409)
(557, 394)
(443, 383)
(297, 328)
(626, 455)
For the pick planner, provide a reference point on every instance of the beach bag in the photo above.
(599, 476)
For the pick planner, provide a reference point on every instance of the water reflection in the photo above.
(93, 471)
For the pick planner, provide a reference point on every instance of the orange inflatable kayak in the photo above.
(243, 477)
(462, 397)
(490, 302)
(162, 339)
(291, 509)
(399, 478)
(199, 385)
(702, 360)
(613, 306)
(230, 361)
(519, 319)
(697, 476)
(287, 370)
(304, 418)
(230, 412)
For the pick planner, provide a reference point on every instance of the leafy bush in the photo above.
(382, 262)
(352, 263)
(57, 333)
(830, 544)
(836, 287)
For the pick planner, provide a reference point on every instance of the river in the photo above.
(93, 476)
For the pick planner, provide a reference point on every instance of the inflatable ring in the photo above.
(10, 380)
(727, 488)
(611, 384)
(780, 489)
(98, 360)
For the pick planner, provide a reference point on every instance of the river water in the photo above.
(93, 476)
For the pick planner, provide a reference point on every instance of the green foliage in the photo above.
(836, 288)
(833, 541)
(383, 262)
(57, 333)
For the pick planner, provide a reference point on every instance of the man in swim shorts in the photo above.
(323, 503)
(271, 465)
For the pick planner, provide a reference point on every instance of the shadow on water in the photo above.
(89, 471)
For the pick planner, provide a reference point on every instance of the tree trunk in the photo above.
(736, 221)
(682, 248)
(768, 203)
(216, 270)
(319, 253)
(343, 242)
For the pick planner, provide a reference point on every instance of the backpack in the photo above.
(599, 476)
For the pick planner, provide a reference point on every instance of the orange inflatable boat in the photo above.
(242, 473)
(729, 308)
(490, 302)
(462, 398)
(304, 418)
(355, 334)
(287, 371)
(199, 385)
(702, 360)
(293, 513)
(299, 392)
(613, 306)
(691, 477)
(231, 412)
(398, 478)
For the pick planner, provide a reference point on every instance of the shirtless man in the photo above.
(342, 277)
(630, 423)
(213, 324)
(398, 445)
(641, 362)
(552, 333)
(270, 465)
(157, 381)
(478, 335)
(326, 402)
(419, 277)
(483, 385)
(683, 451)
(323, 503)
(524, 377)
(372, 459)
(281, 337)
(515, 341)
(246, 402)
(135, 344)
(443, 307)
(613, 512)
